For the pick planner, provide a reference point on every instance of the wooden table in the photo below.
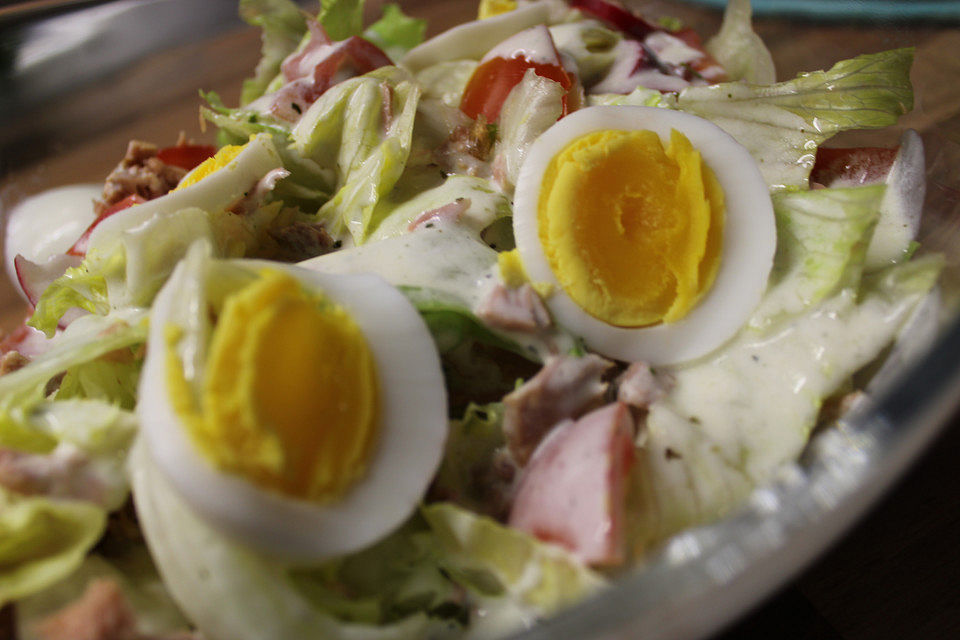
(896, 574)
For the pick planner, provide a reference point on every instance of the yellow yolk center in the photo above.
(221, 159)
(632, 231)
(490, 8)
(290, 396)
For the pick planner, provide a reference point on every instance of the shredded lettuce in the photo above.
(201, 567)
(739, 50)
(282, 26)
(466, 474)
(782, 124)
(395, 32)
(367, 139)
(43, 540)
(531, 107)
(82, 287)
(341, 18)
(495, 560)
(822, 238)
(26, 414)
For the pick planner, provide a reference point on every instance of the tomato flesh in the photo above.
(186, 156)
(79, 247)
(494, 79)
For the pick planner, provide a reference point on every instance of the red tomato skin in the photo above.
(493, 80)
(79, 247)
(186, 156)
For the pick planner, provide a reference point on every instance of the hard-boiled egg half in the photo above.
(653, 227)
(301, 413)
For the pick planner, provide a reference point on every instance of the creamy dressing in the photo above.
(733, 419)
(449, 258)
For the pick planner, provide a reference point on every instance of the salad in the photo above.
(444, 335)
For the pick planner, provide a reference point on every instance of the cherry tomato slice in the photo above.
(492, 81)
(186, 156)
(860, 165)
(79, 247)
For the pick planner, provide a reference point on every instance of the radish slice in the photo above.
(26, 341)
(34, 277)
(901, 206)
(48, 223)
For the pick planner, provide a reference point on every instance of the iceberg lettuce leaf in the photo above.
(203, 569)
(364, 127)
(341, 18)
(739, 50)
(395, 32)
(822, 238)
(531, 107)
(782, 124)
(130, 567)
(81, 287)
(43, 540)
(29, 421)
(495, 560)
(386, 582)
(466, 473)
(486, 205)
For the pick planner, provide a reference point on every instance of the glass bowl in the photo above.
(80, 79)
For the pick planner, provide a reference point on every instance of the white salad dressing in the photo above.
(448, 258)
(735, 417)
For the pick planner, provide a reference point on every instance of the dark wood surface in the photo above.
(897, 573)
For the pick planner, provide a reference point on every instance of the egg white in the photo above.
(749, 237)
(407, 452)
(48, 224)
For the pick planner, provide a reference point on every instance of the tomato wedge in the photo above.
(504, 67)
(186, 156)
(849, 166)
(79, 247)
(493, 80)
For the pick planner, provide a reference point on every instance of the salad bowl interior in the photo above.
(76, 84)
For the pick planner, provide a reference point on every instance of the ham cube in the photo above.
(573, 490)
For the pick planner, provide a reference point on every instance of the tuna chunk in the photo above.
(564, 388)
(66, 472)
(101, 613)
(572, 492)
(519, 309)
(640, 387)
(140, 173)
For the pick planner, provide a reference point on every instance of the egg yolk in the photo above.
(290, 396)
(490, 8)
(632, 231)
(219, 160)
